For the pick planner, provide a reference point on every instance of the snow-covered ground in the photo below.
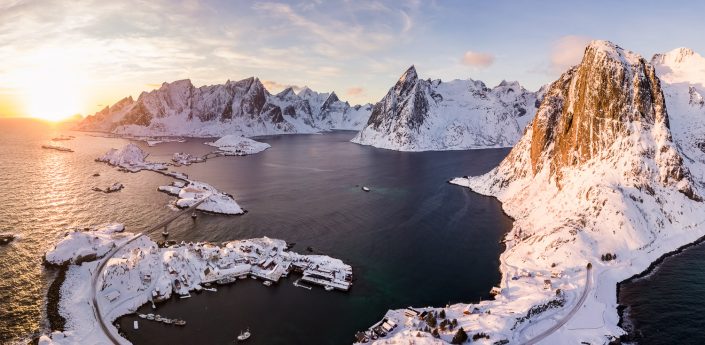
(140, 271)
(238, 145)
(133, 159)
(190, 192)
(618, 196)
(181, 158)
(130, 158)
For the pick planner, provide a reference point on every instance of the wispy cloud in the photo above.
(567, 51)
(273, 86)
(477, 59)
(355, 91)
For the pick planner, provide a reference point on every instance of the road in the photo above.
(581, 300)
(110, 332)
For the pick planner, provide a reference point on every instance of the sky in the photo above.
(59, 58)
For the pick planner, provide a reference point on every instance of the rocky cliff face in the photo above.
(611, 94)
(236, 107)
(419, 115)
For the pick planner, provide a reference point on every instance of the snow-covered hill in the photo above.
(421, 115)
(599, 178)
(242, 107)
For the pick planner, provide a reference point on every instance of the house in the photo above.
(547, 284)
(112, 295)
(410, 312)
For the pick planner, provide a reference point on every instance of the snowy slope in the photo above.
(242, 107)
(420, 115)
(598, 172)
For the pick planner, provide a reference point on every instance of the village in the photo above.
(143, 272)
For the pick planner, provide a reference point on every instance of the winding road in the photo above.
(581, 301)
(111, 333)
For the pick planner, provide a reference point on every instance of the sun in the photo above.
(51, 88)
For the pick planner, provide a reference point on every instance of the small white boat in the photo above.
(142, 316)
(167, 321)
(267, 283)
(180, 323)
(165, 233)
(150, 316)
(136, 325)
(158, 318)
(253, 277)
(328, 288)
(244, 335)
(366, 189)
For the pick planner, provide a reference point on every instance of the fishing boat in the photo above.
(150, 316)
(244, 335)
(328, 288)
(142, 316)
(180, 323)
(267, 283)
(158, 317)
(366, 189)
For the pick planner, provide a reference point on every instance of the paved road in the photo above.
(110, 332)
(546, 333)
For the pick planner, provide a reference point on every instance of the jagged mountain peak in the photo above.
(287, 93)
(423, 114)
(408, 76)
(599, 50)
(677, 55)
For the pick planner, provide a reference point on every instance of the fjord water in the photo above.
(667, 305)
(413, 240)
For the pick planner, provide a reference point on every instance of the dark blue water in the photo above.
(668, 305)
(414, 240)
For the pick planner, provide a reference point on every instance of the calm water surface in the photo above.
(668, 305)
(413, 240)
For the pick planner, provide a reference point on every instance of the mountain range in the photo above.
(237, 107)
(423, 114)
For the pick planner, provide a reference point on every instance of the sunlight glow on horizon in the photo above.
(50, 87)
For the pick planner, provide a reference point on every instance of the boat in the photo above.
(180, 323)
(244, 335)
(366, 189)
(193, 215)
(158, 318)
(267, 283)
(165, 233)
(167, 321)
(150, 316)
(328, 288)
(142, 316)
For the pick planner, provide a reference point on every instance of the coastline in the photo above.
(56, 321)
(629, 335)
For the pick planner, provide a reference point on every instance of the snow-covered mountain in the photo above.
(420, 115)
(242, 107)
(682, 73)
(599, 177)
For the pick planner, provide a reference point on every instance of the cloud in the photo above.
(273, 86)
(355, 91)
(476, 59)
(567, 52)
